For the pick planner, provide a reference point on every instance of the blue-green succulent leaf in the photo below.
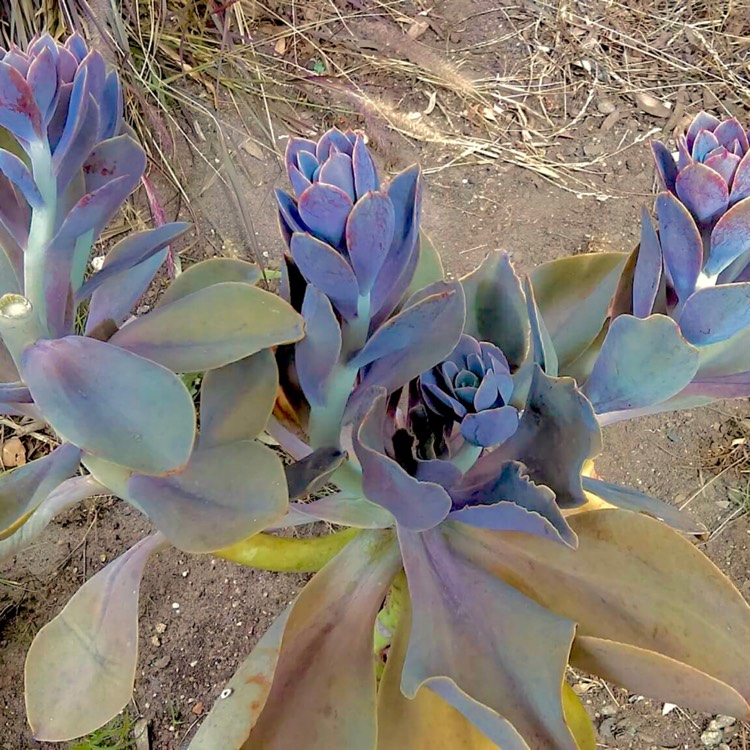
(715, 313)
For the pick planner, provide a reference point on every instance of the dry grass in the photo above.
(406, 71)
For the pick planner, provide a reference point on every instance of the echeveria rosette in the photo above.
(486, 555)
(473, 388)
(73, 357)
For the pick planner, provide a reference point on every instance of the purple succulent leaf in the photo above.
(116, 157)
(289, 218)
(116, 296)
(59, 115)
(729, 131)
(730, 238)
(418, 338)
(300, 183)
(325, 668)
(324, 210)
(15, 220)
(307, 164)
(725, 163)
(237, 400)
(77, 46)
(207, 273)
(415, 505)
(643, 361)
(111, 403)
(337, 170)
(405, 192)
(638, 502)
(683, 155)
(735, 385)
(490, 427)
(42, 80)
(442, 395)
(456, 603)
(224, 494)
(15, 392)
(557, 434)
(328, 270)
(511, 484)
(294, 147)
(702, 121)
(211, 327)
(128, 253)
(680, 243)
(703, 191)
(365, 174)
(704, 143)
(111, 109)
(19, 112)
(96, 73)
(331, 139)
(648, 269)
(67, 64)
(18, 173)
(74, 116)
(308, 475)
(369, 236)
(496, 307)
(439, 472)
(91, 646)
(715, 313)
(741, 184)
(317, 354)
(22, 490)
(42, 42)
(18, 60)
(86, 138)
(665, 165)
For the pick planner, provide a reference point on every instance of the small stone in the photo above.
(722, 722)
(175, 605)
(673, 436)
(155, 640)
(163, 662)
(197, 709)
(712, 738)
(593, 149)
(606, 106)
(722, 505)
(609, 710)
(161, 627)
(606, 728)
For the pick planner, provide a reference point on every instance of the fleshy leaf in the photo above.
(420, 336)
(42, 80)
(666, 166)
(477, 633)
(23, 489)
(229, 722)
(730, 238)
(111, 403)
(136, 248)
(326, 269)
(308, 475)
(365, 175)
(651, 674)
(415, 505)
(317, 354)
(237, 399)
(680, 243)
(326, 670)
(80, 668)
(224, 495)
(715, 313)
(343, 510)
(426, 721)
(209, 272)
(490, 427)
(324, 210)
(429, 266)
(212, 327)
(64, 496)
(629, 499)
(557, 434)
(369, 235)
(703, 191)
(496, 307)
(643, 361)
(573, 295)
(648, 269)
(18, 173)
(337, 170)
(18, 109)
(625, 558)
(741, 184)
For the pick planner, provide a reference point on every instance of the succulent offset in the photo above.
(481, 555)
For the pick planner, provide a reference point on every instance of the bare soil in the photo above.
(200, 616)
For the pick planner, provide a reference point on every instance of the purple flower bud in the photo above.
(472, 387)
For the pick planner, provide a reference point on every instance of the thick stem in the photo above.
(42, 227)
(288, 555)
(19, 326)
